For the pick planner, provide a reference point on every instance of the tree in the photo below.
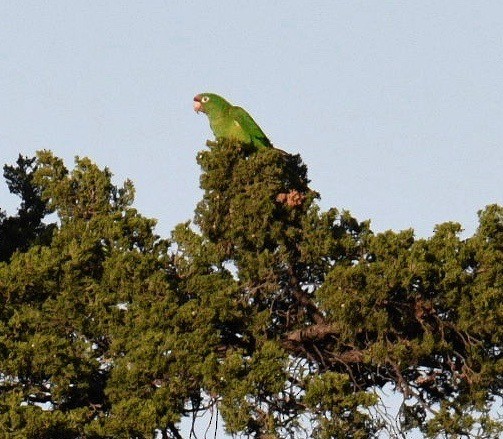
(284, 318)
(18, 232)
(330, 310)
(70, 311)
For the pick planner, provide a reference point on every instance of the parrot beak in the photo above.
(197, 104)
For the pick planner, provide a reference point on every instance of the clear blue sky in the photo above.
(396, 107)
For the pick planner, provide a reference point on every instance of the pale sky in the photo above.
(396, 107)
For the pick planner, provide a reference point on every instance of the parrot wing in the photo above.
(243, 121)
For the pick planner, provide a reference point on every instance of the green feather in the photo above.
(230, 122)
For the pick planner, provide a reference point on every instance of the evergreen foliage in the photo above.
(18, 232)
(284, 318)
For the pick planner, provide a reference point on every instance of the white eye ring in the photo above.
(205, 99)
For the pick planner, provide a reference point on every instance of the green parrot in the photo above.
(230, 122)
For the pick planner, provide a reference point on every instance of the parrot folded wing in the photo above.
(245, 123)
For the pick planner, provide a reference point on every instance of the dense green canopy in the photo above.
(284, 319)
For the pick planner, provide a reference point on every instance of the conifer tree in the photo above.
(326, 312)
(74, 338)
(18, 232)
(283, 319)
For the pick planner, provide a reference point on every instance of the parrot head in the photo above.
(210, 103)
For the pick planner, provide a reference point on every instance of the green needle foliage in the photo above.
(282, 319)
(26, 228)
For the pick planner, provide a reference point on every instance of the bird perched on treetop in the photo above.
(230, 122)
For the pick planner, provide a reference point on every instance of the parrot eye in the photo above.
(205, 99)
